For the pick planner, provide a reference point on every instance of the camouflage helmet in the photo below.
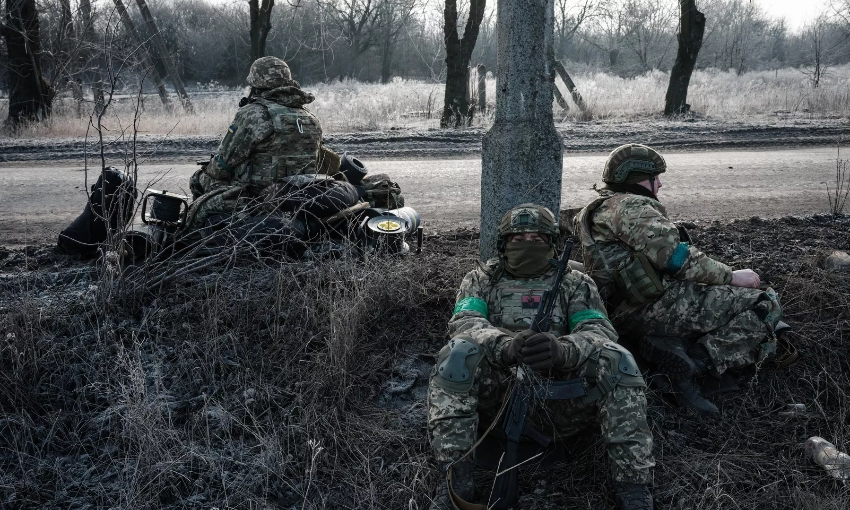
(529, 218)
(632, 163)
(269, 73)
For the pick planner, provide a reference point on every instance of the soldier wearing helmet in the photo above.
(273, 136)
(490, 335)
(693, 317)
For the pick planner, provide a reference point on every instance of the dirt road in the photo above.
(36, 202)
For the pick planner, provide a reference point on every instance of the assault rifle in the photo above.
(522, 398)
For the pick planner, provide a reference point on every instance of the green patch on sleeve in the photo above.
(471, 304)
(585, 315)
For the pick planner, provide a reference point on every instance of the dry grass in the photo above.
(352, 106)
(303, 386)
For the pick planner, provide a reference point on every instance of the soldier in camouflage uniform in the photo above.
(692, 315)
(495, 305)
(273, 136)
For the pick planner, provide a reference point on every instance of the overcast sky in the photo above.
(797, 12)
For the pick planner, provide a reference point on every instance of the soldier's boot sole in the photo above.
(669, 356)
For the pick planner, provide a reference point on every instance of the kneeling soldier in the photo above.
(490, 334)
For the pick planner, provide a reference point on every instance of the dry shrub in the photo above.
(255, 386)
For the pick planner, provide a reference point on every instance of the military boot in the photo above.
(702, 362)
(462, 483)
(632, 496)
(687, 394)
(668, 355)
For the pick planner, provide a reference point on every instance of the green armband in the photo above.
(223, 164)
(585, 315)
(471, 304)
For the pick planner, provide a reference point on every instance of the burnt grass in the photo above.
(302, 385)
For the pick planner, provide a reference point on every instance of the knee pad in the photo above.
(623, 365)
(456, 364)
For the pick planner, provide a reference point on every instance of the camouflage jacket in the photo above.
(271, 137)
(619, 224)
(491, 305)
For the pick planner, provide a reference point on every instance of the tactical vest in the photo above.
(293, 149)
(619, 272)
(514, 303)
(599, 264)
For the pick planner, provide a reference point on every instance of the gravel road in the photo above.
(38, 201)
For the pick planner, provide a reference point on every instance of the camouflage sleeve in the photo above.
(645, 229)
(470, 317)
(588, 322)
(251, 126)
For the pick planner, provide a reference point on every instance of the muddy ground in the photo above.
(593, 136)
(303, 386)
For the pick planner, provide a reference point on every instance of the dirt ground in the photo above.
(261, 386)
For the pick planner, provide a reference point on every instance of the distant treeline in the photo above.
(376, 40)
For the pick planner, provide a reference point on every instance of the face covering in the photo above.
(526, 259)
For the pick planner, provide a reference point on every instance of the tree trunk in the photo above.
(146, 58)
(260, 26)
(91, 56)
(482, 89)
(691, 30)
(30, 94)
(521, 155)
(386, 61)
(458, 52)
(162, 54)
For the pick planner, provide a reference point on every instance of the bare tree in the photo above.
(260, 18)
(570, 15)
(648, 36)
(608, 30)
(90, 56)
(395, 15)
(30, 94)
(359, 22)
(691, 30)
(456, 111)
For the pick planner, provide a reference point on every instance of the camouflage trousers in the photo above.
(730, 322)
(454, 418)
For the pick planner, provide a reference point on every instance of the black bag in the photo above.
(316, 195)
(110, 208)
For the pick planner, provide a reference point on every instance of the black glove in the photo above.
(512, 351)
(542, 352)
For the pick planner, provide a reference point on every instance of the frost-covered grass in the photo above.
(352, 106)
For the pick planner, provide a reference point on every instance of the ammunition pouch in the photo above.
(638, 280)
(456, 365)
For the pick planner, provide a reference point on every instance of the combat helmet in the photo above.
(632, 163)
(269, 73)
(528, 218)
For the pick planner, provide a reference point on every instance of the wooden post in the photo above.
(579, 101)
(164, 57)
(146, 58)
(559, 98)
(482, 88)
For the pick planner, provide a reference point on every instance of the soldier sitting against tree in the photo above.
(490, 334)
